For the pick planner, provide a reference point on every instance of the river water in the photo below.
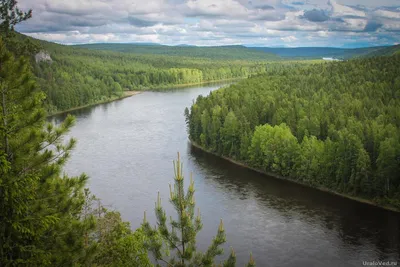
(127, 148)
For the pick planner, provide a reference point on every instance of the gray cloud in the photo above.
(265, 7)
(372, 26)
(273, 22)
(140, 23)
(316, 15)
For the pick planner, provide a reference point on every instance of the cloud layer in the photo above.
(348, 23)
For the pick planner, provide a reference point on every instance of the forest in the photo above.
(48, 218)
(320, 52)
(88, 74)
(78, 76)
(248, 53)
(334, 126)
(232, 52)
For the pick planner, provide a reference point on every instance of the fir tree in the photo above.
(181, 236)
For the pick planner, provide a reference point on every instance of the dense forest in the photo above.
(88, 74)
(320, 52)
(333, 125)
(233, 52)
(247, 53)
(78, 76)
(48, 218)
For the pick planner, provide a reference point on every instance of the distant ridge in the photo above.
(229, 52)
(185, 45)
(321, 52)
(235, 52)
(244, 52)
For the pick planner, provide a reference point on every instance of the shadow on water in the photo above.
(85, 112)
(353, 221)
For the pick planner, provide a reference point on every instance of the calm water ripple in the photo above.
(127, 148)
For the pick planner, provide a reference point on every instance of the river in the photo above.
(127, 148)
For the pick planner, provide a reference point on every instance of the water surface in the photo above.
(127, 148)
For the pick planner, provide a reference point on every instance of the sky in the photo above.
(270, 23)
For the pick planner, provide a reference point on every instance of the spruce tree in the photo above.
(179, 240)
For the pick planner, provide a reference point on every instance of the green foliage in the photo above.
(39, 208)
(385, 51)
(78, 76)
(234, 52)
(114, 243)
(321, 52)
(333, 125)
(45, 216)
(10, 15)
(181, 236)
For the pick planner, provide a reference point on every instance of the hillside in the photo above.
(385, 51)
(78, 76)
(216, 53)
(244, 53)
(319, 52)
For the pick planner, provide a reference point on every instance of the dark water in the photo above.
(127, 148)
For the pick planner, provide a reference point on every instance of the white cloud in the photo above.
(342, 10)
(213, 22)
(289, 39)
(387, 14)
(323, 33)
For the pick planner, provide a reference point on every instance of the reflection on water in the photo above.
(357, 225)
(127, 148)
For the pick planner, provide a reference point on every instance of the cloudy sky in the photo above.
(339, 23)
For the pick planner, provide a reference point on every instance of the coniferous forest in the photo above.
(334, 126)
(329, 125)
(50, 219)
(78, 76)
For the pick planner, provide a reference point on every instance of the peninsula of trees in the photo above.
(333, 125)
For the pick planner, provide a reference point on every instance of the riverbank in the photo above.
(276, 176)
(132, 93)
(183, 85)
(125, 95)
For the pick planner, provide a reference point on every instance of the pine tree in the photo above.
(181, 236)
(11, 15)
(39, 208)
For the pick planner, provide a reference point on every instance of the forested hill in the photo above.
(217, 53)
(78, 76)
(330, 125)
(320, 52)
(246, 53)
(385, 51)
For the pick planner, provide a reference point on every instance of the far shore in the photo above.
(276, 176)
(132, 93)
(125, 95)
(176, 86)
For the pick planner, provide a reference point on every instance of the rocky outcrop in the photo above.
(43, 56)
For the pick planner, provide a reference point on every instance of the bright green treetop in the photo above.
(179, 238)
